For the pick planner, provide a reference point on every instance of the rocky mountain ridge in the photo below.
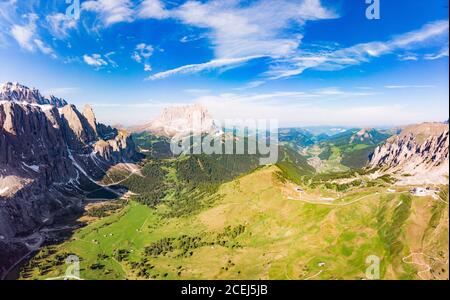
(51, 157)
(16, 92)
(420, 153)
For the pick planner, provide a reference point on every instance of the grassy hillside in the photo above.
(259, 226)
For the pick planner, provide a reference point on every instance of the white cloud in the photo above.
(147, 68)
(408, 57)
(44, 49)
(59, 25)
(253, 84)
(190, 38)
(111, 11)
(136, 57)
(409, 86)
(430, 30)
(95, 60)
(357, 54)
(252, 30)
(152, 9)
(142, 53)
(240, 31)
(27, 37)
(23, 34)
(145, 50)
(7, 11)
(236, 29)
(337, 92)
(284, 98)
(442, 53)
(195, 68)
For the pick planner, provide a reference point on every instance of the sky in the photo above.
(303, 62)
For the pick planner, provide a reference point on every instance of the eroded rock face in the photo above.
(420, 151)
(76, 127)
(31, 139)
(48, 155)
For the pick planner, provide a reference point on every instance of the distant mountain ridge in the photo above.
(180, 121)
(369, 136)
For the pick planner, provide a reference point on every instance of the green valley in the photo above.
(241, 221)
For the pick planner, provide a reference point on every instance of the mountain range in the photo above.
(61, 170)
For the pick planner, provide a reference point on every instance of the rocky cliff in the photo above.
(51, 157)
(181, 121)
(419, 154)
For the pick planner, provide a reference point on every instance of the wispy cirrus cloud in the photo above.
(7, 8)
(95, 60)
(256, 29)
(111, 11)
(241, 31)
(60, 24)
(408, 57)
(24, 34)
(99, 61)
(361, 53)
(27, 37)
(409, 86)
(195, 68)
(442, 53)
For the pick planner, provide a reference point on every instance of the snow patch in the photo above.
(35, 168)
(3, 190)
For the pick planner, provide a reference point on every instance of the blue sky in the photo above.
(304, 62)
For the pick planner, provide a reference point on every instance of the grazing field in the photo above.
(259, 228)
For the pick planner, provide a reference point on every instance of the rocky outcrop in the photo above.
(77, 129)
(117, 149)
(89, 115)
(181, 121)
(420, 152)
(50, 159)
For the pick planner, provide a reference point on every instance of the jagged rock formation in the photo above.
(180, 121)
(17, 92)
(419, 153)
(50, 158)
